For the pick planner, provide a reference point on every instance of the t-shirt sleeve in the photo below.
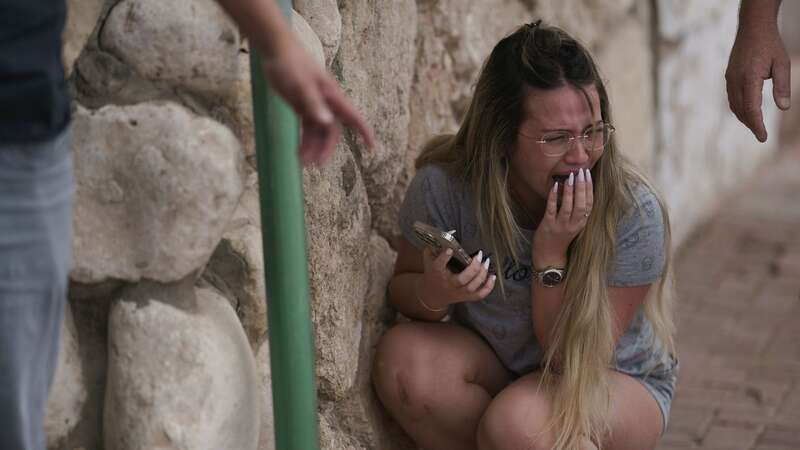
(431, 198)
(640, 249)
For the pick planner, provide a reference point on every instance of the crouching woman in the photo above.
(560, 330)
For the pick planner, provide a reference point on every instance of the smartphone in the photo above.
(438, 241)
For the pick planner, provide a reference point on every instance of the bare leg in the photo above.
(517, 418)
(636, 421)
(436, 380)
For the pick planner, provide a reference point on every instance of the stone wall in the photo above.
(789, 16)
(164, 345)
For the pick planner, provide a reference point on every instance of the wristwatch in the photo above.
(550, 276)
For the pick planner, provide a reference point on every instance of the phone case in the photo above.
(439, 240)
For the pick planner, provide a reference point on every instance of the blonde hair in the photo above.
(581, 348)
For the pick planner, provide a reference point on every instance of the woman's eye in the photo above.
(596, 130)
(556, 140)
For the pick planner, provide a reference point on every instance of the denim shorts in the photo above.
(660, 383)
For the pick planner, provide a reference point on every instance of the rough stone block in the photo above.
(142, 210)
(181, 374)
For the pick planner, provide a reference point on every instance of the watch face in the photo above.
(552, 277)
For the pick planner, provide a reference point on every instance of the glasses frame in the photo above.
(584, 137)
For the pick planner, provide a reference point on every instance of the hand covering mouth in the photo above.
(562, 179)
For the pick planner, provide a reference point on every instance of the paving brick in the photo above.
(791, 401)
(786, 341)
(738, 318)
(694, 396)
(711, 375)
(789, 263)
(690, 422)
(731, 437)
(788, 420)
(678, 440)
(780, 436)
(774, 367)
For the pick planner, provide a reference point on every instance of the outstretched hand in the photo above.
(758, 54)
(315, 96)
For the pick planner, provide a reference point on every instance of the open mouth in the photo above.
(562, 179)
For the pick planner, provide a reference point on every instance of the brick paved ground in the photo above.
(738, 317)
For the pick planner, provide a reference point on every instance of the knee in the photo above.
(401, 372)
(515, 420)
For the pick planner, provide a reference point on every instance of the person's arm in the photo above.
(550, 249)
(555, 233)
(552, 238)
(758, 54)
(305, 85)
(262, 21)
(423, 287)
(546, 308)
(625, 302)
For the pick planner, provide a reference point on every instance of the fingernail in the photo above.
(555, 187)
(449, 251)
(571, 179)
(325, 116)
(479, 256)
(784, 103)
(494, 277)
(486, 264)
(581, 177)
(589, 176)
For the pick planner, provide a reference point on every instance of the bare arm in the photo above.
(302, 82)
(624, 304)
(758, 54)
(551, 240)
(754, 11)
(423, 288)
(545, 310)
(556, 231)
(404, 285)
(263, 22)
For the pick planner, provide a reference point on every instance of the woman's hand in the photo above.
(441, 287)
(560, 226)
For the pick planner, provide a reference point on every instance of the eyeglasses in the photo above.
(594, 139)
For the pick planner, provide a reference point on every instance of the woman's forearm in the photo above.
(546, 306)
(405, 295)
(546, 301)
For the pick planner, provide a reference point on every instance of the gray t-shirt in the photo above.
(441, 200)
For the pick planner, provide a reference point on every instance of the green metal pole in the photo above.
(283, 230)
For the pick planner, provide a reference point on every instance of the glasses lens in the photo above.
(599, 136)
(555, 145)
